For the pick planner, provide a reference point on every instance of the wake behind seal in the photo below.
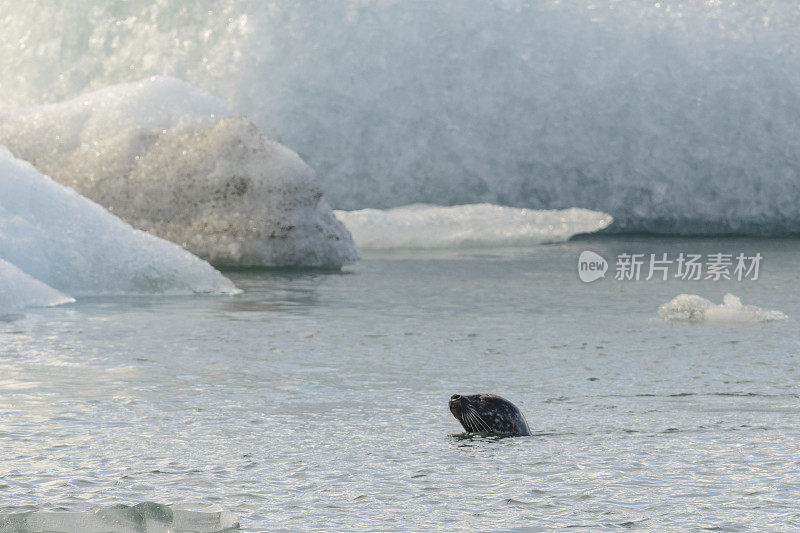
(489, 414)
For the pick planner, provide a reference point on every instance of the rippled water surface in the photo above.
(319, 400)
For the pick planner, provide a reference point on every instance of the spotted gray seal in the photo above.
(490, 414)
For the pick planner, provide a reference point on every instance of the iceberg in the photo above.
(462, 226)
(58, 238)
(676, 117)
(170, 159)
(696, 309)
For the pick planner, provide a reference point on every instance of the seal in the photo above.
(489, 413)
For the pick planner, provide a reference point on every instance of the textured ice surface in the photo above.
(674, 117)
(430, 226)
(57, 236)
(141, 518)
(694, 308)
(18, 290)
(169, 159)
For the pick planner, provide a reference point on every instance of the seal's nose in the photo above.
(456, 404)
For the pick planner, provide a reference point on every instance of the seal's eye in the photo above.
(455, 397)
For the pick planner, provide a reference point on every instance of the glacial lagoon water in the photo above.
(318, 400)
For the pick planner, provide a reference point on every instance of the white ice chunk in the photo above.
(18, 291)
(169, 159)
(72, 244)
(142, 518)
(478, 225)
(696, 309)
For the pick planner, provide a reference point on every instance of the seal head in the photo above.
(489, 414)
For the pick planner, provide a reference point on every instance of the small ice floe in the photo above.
(18, 291)
(696, 309)
(462, 226)
(142, 518)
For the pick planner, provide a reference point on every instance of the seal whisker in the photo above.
(479, 426)
(483, 424)
(479, 422)
(471, 420)
(467, 421)
(473, 426)
(475, 418)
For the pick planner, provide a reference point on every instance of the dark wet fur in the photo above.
(489, 414)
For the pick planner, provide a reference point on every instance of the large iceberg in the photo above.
(64, 242)
(672, 116)
(460, 226)
(170, 159)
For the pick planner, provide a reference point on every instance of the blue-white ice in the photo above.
(172, 160)
(65, 241)
(461, 226)
(674, 117)
(19, 291)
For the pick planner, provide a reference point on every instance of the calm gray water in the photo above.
(319, 401)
